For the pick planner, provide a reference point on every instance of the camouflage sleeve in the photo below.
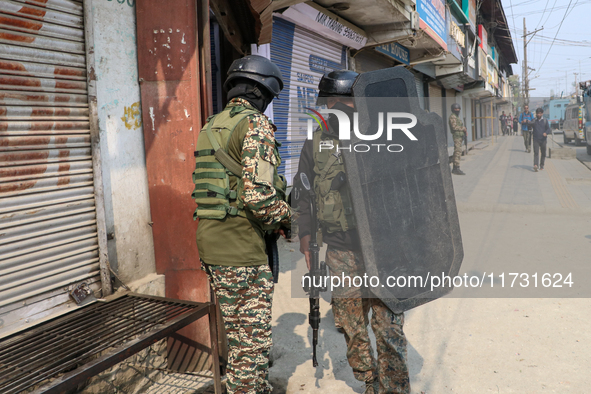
(258, 168)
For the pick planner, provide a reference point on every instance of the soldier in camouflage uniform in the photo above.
(389, 373)
(240, 197)
(458, 131)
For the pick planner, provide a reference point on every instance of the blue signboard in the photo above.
(395, 51)
(454, 41)
(432, 20)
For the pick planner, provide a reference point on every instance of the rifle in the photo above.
(466, 143)
(273, 252)
(317, 271)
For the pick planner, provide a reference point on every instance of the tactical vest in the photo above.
(214, 197)
(335, 212)
(217, 176)
(459, 124)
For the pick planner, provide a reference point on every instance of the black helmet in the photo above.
(337, 83)
(258, 69)
(455, 107)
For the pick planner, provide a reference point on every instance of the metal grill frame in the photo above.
(137, 321)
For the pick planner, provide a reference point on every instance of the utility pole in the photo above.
(525, 78)
(526, 88)
(576, 91)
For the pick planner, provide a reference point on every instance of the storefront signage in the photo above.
(456, 33)
(482, 64)
(322, 65)
(324, 22)
(395, 51)
(432, 20)
(483, 38)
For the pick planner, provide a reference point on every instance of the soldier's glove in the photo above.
(286, 228)
(339, 181)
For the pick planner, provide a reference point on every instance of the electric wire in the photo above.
(556, 35)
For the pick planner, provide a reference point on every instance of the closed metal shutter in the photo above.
(370, 60)
(450, 98)
(48, 231)
(435, 104)
(450, 95)
(420, 92)
(303, 57)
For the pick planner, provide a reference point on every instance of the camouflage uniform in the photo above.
(245, 296)
(456, 127)
(351, 310)
(350, 304)
(234, 256)
(260, 160)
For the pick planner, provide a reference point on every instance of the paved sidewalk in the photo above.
(511, 219)
(501, 177)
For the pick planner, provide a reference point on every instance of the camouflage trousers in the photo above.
(351, 312)
(245, 295)
(458, 140)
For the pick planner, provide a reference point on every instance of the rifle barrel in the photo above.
(314, 344)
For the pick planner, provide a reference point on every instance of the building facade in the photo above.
(101, 103)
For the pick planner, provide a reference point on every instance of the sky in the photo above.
(567, 20)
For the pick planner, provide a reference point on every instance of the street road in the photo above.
(512, 220)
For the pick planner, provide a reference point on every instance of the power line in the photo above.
(542, 39)
(558, 41)
(550, 13)
(545, 8)
(556, 35)
(567, 14)
(511, 4)
(522, 3)
(561, 7)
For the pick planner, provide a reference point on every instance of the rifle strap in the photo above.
(224, 158)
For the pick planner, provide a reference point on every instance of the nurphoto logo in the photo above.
(344, 125)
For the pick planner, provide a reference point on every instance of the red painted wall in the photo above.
(171, 107)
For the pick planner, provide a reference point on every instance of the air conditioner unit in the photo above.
(414, 20)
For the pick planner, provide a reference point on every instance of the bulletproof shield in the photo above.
(403, 199)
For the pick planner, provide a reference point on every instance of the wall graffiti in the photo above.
(132, 117)
(130, 3)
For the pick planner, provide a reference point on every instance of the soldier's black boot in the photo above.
(457, 171)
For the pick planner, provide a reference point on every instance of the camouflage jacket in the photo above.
(238, 240)
(260, 160)
(456, 126)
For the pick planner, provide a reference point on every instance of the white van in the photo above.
(574, 124)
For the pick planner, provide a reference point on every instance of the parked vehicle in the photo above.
(554, 112)
(586, 88)
(574, 124)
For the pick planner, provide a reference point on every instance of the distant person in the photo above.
(515, 125)
(458, 132)
(508, 123)
(540, 132)
(503, 120)
(526, 119)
